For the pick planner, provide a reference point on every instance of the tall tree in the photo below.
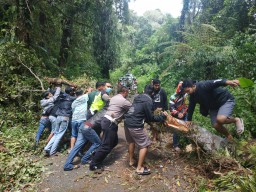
(184, 13)
(67, 27)
(24, 21)
(104, 37)
(122, 10)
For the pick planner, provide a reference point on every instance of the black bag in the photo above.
(55, 107)
(48, 111)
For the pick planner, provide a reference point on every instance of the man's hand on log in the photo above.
(180, 115)
(165, 113)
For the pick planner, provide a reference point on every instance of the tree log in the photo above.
(60, 81)
(208, 141)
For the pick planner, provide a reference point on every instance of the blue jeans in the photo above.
(84, 135)
(53, 121)
(61, 127)
(43, 123)
(75, 127)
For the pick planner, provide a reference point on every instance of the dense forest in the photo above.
(85, 41)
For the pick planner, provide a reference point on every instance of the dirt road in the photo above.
(170, 172)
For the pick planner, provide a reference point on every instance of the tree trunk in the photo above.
(182, 21)
(208, 141)
(67, 25)
(24, 22)
(104, 40)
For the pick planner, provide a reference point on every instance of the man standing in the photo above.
(159, 103)
(140, 111)
(214, 100)
(118, 106)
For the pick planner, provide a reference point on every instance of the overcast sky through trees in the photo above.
(166, 6)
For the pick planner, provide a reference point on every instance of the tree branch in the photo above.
(42, 86)
(29, 90)
(28, 6)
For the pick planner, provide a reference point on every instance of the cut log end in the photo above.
(177, 124)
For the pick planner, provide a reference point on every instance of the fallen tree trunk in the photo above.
(60, 81)
(205, 139)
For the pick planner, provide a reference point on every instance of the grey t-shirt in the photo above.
(118, 106)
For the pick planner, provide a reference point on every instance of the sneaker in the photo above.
(47, 153)
(76, 160)
(177, 149)
(240, 126)
(95, 168)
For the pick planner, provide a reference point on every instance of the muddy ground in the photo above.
(171, 171)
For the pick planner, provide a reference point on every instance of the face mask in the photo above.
(108, 89)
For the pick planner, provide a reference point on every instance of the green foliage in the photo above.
(244, 82)
(228, 182)
(245, 108)
(248, 183)
(244, 58)
(85, 39)
(16, 86)
(246, 153)
(236, 181)
(18, 169)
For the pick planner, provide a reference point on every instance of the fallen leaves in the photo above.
(106, 180)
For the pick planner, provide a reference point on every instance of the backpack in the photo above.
(48, 111)
(55, 107)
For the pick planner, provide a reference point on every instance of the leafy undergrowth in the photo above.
(231, 169)
(226, 171)
(244, 177)
(19, 170)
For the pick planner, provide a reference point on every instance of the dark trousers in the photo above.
(109, 141)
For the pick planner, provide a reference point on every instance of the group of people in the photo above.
(94, 117)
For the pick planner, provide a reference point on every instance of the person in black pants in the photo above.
(118, 106)
(109, 141)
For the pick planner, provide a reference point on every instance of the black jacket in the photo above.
(160, 100)
(65, 105)
(140, 111)
(55, 108)
(209, 95)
